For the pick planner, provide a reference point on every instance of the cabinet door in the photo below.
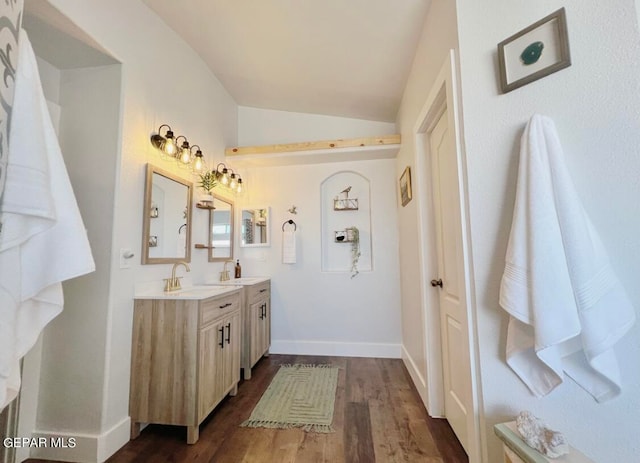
(232, 351)
(210, 368)
(257, 311)
(266, 326)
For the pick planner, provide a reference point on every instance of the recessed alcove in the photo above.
(338, 190)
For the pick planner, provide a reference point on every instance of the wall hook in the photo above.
(293, 210)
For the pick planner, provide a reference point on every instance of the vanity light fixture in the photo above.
(167, 143)
(230, 180)
(178, 149)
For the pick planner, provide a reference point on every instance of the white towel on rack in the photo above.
(289, 247)
(43, 240)
(567, 307)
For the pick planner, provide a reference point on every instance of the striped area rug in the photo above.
(299, 396)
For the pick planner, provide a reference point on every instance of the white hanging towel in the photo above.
(43, 240)
(567, 308)
(289, 247)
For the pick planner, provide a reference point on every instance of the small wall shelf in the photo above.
(205, 206)
(343, 236)
(347, 204)
(202, 246)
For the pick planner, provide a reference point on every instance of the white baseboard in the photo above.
(81, 448)
(338, 349)
(114, 439)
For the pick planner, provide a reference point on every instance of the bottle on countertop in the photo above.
(238, 269)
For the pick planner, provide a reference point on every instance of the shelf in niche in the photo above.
(347, 204)
(202, 246)
(343, 236)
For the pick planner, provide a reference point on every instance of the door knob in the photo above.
(437, 282)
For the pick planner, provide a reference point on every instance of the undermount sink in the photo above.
(192, 292)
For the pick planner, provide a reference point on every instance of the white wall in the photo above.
(266, 126)
(596, 106)
(86, 298)
(315, 312)
(438, 37)
(196, 106)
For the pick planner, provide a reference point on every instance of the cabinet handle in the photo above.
(265, 310)
(225, 305)
(221, 343)
(263, 290)
(228, 333)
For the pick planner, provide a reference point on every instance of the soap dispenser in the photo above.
(238, 269)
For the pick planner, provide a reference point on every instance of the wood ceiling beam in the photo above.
(314, 145)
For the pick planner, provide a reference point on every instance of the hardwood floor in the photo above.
(378, 418)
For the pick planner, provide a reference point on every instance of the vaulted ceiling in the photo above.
(337, 57)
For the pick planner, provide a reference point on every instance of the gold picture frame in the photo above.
(405, 186)
(534, 52)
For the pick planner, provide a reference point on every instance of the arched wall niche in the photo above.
(346, 202)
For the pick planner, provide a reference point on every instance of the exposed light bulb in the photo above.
(185, 156)
(232, 184)
(239, 189)
(169, 146)
(225, 176)
(198, 165)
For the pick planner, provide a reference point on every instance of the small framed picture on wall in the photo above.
(405, 186)
(534, 52)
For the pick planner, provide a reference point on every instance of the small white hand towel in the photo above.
(289, 247)
(567, 307)
(43, 240)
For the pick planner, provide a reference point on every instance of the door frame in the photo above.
(444, 96)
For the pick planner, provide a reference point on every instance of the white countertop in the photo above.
(244, 281)
(190, 293)
(508, 433)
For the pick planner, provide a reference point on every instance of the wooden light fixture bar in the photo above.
(314, 145)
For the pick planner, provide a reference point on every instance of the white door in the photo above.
(450, 281)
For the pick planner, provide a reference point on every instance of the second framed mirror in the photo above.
(255, 227)
(221, 230)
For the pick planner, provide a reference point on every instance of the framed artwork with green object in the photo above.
(534, 52)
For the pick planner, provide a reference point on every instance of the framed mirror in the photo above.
(221, 230)
(255, 230)
(166, 230)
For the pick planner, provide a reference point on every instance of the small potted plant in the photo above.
(207, 183)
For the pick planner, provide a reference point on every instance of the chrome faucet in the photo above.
(224, 275)
(173, 283)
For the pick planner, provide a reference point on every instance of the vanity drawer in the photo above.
(258, 291)
(211, 309)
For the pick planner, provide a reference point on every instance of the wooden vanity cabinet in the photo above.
(257, 325)
(185, 359)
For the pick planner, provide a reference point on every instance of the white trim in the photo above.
(444, 94)
(419, 382)
(339, 349)
(93, 448)
(114, 439)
